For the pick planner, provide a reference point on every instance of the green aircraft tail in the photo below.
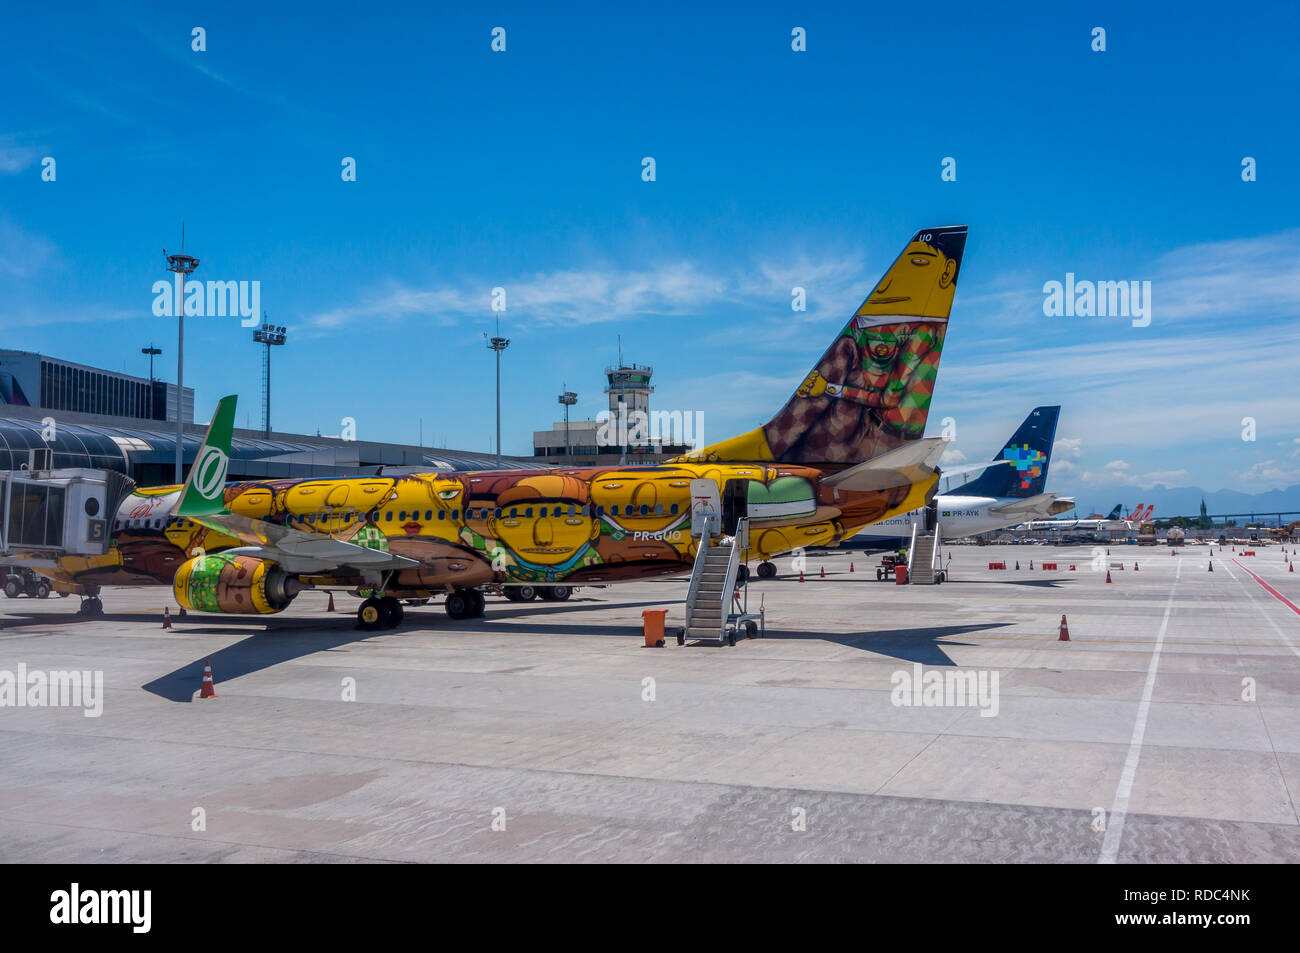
(203, 491)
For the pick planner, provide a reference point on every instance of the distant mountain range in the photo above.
(1183, 500)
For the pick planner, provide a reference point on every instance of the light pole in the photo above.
(498, 344)
(568, 399)
(151, 350)
(271, 336)
(182, 266)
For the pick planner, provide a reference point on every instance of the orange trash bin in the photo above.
(900, 574)
(652, 627)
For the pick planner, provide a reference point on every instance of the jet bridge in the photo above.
(48, 514)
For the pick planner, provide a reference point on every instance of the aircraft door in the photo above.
(735, 504)
(931, 517)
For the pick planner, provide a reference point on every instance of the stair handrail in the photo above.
(701, 554)
(911, 548)
(733, 568)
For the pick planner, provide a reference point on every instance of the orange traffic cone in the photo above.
(1031, 565)
(1292, 569)
(823, 572)
(850, 567)
(1135, 567)
(1211, 565)
(801, 575)
(209, 690)
(1071, 567)
(167, 617)
(330, 607)
(1017, 565)
(1064, 635)
(1108, 575)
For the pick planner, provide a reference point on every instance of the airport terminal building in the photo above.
(89, 417)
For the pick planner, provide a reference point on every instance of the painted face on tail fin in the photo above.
(871, 390)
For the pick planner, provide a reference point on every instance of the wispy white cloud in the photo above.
(571, 297)
(23, 255)
(15, 158)
(1270, 473)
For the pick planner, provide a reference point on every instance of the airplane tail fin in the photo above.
(1030, 452)
(870, 392)
(1115, 513)
(203, 492)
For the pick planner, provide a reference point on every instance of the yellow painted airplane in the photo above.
(846, 450)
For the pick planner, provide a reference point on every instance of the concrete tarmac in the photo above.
(1166, 730)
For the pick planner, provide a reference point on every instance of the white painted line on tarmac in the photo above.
(1119, 807)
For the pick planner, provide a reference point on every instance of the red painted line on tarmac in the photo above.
(1276, 595)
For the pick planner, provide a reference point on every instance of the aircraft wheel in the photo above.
(396, 612)
(12, 589)
(372, 614)
(526, 593)
(478, 602)
(42, 590)
(458, 605)
(751, 629)
(766, 570)
(93, 606)
(560, 593)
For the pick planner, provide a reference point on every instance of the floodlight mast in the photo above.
(271, 336)
(498, 344)
(182, 266)
(568, 398)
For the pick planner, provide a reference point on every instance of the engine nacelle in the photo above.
(216, 582)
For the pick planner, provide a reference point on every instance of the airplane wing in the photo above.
(201, 500)
(911, 463)
(295, 550)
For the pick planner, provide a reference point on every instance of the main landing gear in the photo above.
(767, 570)
(380, 613)
(91, 606)
(465, 604)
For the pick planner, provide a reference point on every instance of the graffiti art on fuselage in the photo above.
(598, 524)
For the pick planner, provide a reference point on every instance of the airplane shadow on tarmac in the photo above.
(286, 639)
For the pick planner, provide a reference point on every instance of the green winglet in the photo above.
(203, 492)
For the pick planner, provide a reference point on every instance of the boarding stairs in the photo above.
(924, 560)
(713, 611)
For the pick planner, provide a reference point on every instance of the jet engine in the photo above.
(234, 584)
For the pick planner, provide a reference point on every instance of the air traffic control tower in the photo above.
(629, 390)
(629, 385)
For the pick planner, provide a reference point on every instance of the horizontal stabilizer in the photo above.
(972, 468)
(911, 463)
(1032, 506)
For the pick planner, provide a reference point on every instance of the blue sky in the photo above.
(774, 168)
